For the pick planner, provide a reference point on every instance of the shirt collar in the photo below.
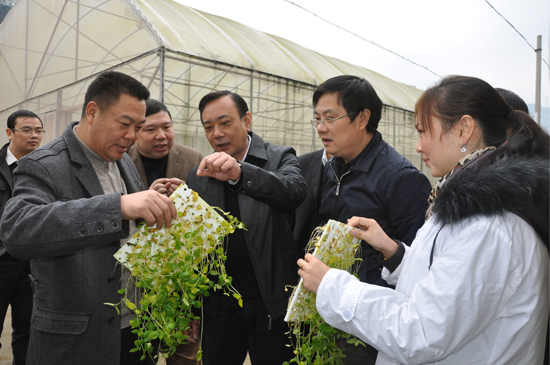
(10, 158)
(247, 148)
(324, 159)
(94, 158)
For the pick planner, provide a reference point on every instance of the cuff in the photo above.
(391, 263)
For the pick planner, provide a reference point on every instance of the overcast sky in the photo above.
(464, 37)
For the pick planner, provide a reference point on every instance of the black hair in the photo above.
(154, 106)
(241, 105)
(513, 99)
(355, 94)
(22, 113)
(455, 96)
(106, 89)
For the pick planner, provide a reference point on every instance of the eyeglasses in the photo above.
(328, 122)
(29, 132)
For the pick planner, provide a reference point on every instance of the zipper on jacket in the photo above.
(269, 325)
(338, 179)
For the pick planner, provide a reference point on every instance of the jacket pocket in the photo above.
(63, 323)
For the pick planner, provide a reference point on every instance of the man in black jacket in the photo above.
(261, 185)
(307, 214)
(366, 177)
(25, 134)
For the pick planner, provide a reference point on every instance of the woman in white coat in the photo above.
(473, 287)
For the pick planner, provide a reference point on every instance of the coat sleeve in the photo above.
(407, 202)
(467, 287)
(283, 188)
(43, 220)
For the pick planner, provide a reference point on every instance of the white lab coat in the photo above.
(484, 300)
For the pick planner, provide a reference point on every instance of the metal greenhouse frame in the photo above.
(180, 54)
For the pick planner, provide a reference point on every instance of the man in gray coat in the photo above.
(74, 200)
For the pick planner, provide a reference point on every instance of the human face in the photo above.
(155, 136)
(440, 151)
(113, 131)
(22, 143)
(224, 128)
(343, 139)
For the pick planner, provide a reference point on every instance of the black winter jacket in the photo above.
(497, 182)
(379, 184)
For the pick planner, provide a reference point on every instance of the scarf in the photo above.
(438, 185)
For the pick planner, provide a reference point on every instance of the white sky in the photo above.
(464, 37)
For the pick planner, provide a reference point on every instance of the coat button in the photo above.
(111, 280)
(111, 320)
(115, 225)
(249, 184)
(347, 315)
(83, 231)
(99, 228)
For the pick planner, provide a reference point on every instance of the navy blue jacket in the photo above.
(379, 184)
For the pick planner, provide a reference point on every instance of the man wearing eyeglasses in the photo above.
(25, 134)
(366, 177)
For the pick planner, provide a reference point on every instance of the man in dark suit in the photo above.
(163, 165)
(74, 204)
(307, 214)
(25, 131)
(259, 184)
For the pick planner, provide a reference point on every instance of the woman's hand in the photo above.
(313, 271)
(370, 232)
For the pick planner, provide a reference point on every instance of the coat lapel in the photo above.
(138, 162)
(82, 167)
(175, 162)
(4, 168)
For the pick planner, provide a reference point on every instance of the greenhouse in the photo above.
(180, 54)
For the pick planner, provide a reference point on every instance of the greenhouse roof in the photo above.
(73, 39)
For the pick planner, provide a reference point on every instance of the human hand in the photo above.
(312, 270)
(150, 205)
(220, 166)
(371, 232)
(166, 186)
(193, 331)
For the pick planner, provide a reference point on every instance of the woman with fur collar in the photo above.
(473, 287)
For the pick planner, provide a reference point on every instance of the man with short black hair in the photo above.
(25, 131)
(158, 159)
(260, 184)
(366, 177)
(74, 204)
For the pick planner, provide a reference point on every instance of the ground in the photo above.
(5, 339)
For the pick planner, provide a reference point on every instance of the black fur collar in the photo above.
(494, 183)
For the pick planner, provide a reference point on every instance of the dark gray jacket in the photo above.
(6, 185)
(269, 192)
(307, 214)
(61, 220)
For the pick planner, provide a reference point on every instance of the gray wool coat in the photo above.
(61, 220)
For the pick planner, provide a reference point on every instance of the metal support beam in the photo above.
(537, 81)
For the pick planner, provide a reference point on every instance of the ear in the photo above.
(364, 117)
(247, 119)
(9, 132)
(466, 126)
(92, 111)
